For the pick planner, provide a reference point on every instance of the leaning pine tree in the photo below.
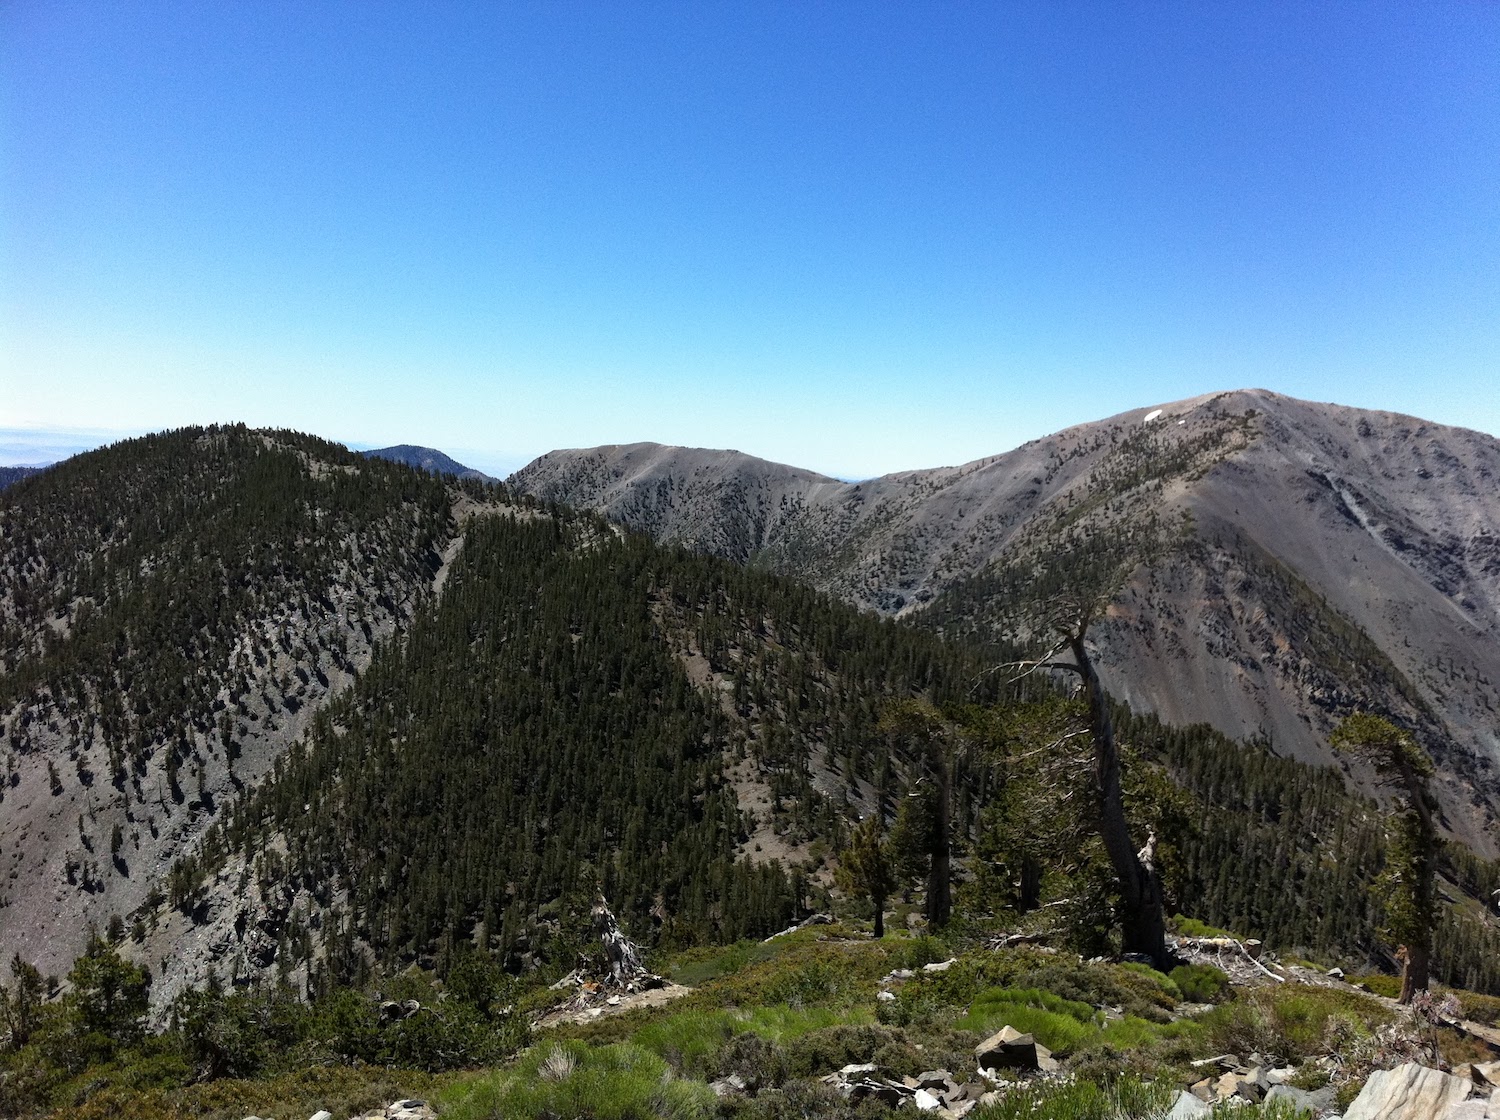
(1407, 884)
(1142, 914)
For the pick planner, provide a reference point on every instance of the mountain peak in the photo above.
(1293, 559)
(427, 459)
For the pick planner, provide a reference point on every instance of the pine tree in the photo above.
(865, 868)
(1408, 884)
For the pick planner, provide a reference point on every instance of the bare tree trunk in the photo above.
(1415, 971)
(1029, 897)
(1143, 924)
(623, 958)
(939, 898)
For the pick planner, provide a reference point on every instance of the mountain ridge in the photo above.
(1278, 529)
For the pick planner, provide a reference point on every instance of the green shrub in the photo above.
(1058, 1033)
(698, 966)
(1201, 983)
(758, 1062)
(690, 1041)
(1058, 1024)
(1162, 983)
(799, 1100)
(1473, 1005)
(1192, 927)
(1125, 1099)
(620, 1082)
(1380, 984)
(914, 952)
(925, 997)
(812, 984)
(804, 972)
(1293, 1022)
(831, 1048)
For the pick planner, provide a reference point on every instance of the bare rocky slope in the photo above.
(1272, 563)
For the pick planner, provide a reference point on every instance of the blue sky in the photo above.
(859, 238)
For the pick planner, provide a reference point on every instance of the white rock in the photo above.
(1408, 1092)
(1187, 1107)
(925, 1101)
(939, 966)
(321, 1114)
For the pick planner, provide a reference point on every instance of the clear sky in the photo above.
(855, 237)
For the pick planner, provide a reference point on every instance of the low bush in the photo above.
(1472, 1005)
(1380, 984)
(832, 1048)
(1201, 983)
(1058, 1024)
(1192, 927)
(799, 1100)
(1125, 1099)
(1293, 1022)
(619, 1082)
(927, 996)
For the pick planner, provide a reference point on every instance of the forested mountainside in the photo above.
(1271, 564)
(9, 476)
(584, 711)
(333, 718)
(579, 708)
(172, 610)
(579, 712)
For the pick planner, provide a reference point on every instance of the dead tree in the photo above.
(620, 953)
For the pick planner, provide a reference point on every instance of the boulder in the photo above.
(410, 1110)
(1186, 1106)
(1408, 1092)
(1240, 1084)
(732, 1085)
(1008, 1048)
(321, 1114)
(926, 1102)
(882, 1091)
(1316, 1101)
